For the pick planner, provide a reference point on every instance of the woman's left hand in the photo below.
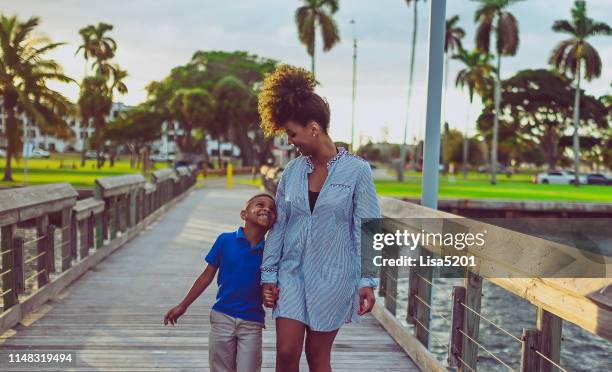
(366, 300)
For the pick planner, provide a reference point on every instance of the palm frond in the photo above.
(563, 26)
(329, 31)
(483, 34)
(507, 34)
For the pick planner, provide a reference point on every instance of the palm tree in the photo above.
(415, 24)
(493, 17)
(311, 14)
(101, 48)
(96, 45)
(452, 43)
(477, 77)
(570, 55)
(24, 73)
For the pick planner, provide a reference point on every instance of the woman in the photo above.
(312, 273)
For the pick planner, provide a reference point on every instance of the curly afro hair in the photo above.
(288, 94)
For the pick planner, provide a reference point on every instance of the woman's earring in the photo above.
(314, 135)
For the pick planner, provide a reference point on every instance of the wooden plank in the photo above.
(530, 361)
(549, 328)
(455, 348)
(34, 201)
(41, 247)
(424, 293)
(19, 272)
(50, 256)
(66, 231)
(116, 185)
(413, 347)
(84, 208)
(8, 266)
(471, 321)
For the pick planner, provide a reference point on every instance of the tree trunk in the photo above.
(84, 149)
(576, 124)
(465, 156)
(444, 123)
(219, 152)
(402, 163)
(11, 128)
(497, 98)
(314, 50)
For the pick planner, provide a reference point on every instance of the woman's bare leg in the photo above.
(318, 349)
(289, 342)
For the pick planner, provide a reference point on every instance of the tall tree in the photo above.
(24, 73)
(134, 128)
(194, 109)
(317, 13)
(452, 43)
(537, 108)
(477, 76)
(100, 48)
(492, 17)
(570, 55)
(415, 28)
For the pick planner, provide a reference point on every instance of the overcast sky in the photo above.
(155, 35)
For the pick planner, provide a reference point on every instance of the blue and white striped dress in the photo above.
(315, 258)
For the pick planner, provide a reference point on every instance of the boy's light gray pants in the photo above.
(235, 344)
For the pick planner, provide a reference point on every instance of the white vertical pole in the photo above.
(435, 67)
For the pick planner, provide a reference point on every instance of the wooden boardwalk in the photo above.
(111, 318)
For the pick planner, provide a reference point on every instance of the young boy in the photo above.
(237, 317)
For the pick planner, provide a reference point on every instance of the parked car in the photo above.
(2, 153)
(39, 154)
(558, 177)
(598, 179)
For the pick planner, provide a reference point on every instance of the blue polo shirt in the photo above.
(238, 276)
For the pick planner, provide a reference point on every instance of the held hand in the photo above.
(366, 300)
(270, 293)
(173, 314)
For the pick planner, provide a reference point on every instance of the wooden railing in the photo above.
(517, 263)
(43, 228)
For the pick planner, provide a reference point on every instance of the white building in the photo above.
(32, 133)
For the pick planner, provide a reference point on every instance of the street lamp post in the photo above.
(435, 64)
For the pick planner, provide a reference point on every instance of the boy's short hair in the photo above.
(258, 195)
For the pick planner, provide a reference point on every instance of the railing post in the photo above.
(413, 283)
(72, 254)
(50, 256)
(114, 214)
(83, 248)
(530, 361)
(471, 321)
(549, 327)
(423, 290)
(100, 231)
(391, 274)
(66, 233)
(455, 344)
(9, 289)
(41, 247)
(18, 259)
(91, 230)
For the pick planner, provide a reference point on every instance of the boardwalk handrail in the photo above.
(121, 207)
(585, 302)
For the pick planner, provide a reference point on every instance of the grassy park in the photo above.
(59, 168)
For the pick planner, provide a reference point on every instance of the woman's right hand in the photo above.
(270, 294)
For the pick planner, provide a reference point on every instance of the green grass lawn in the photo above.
(518, 187)
(42, 171)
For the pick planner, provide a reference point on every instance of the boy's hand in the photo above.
(173, 314)
(270, 294)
